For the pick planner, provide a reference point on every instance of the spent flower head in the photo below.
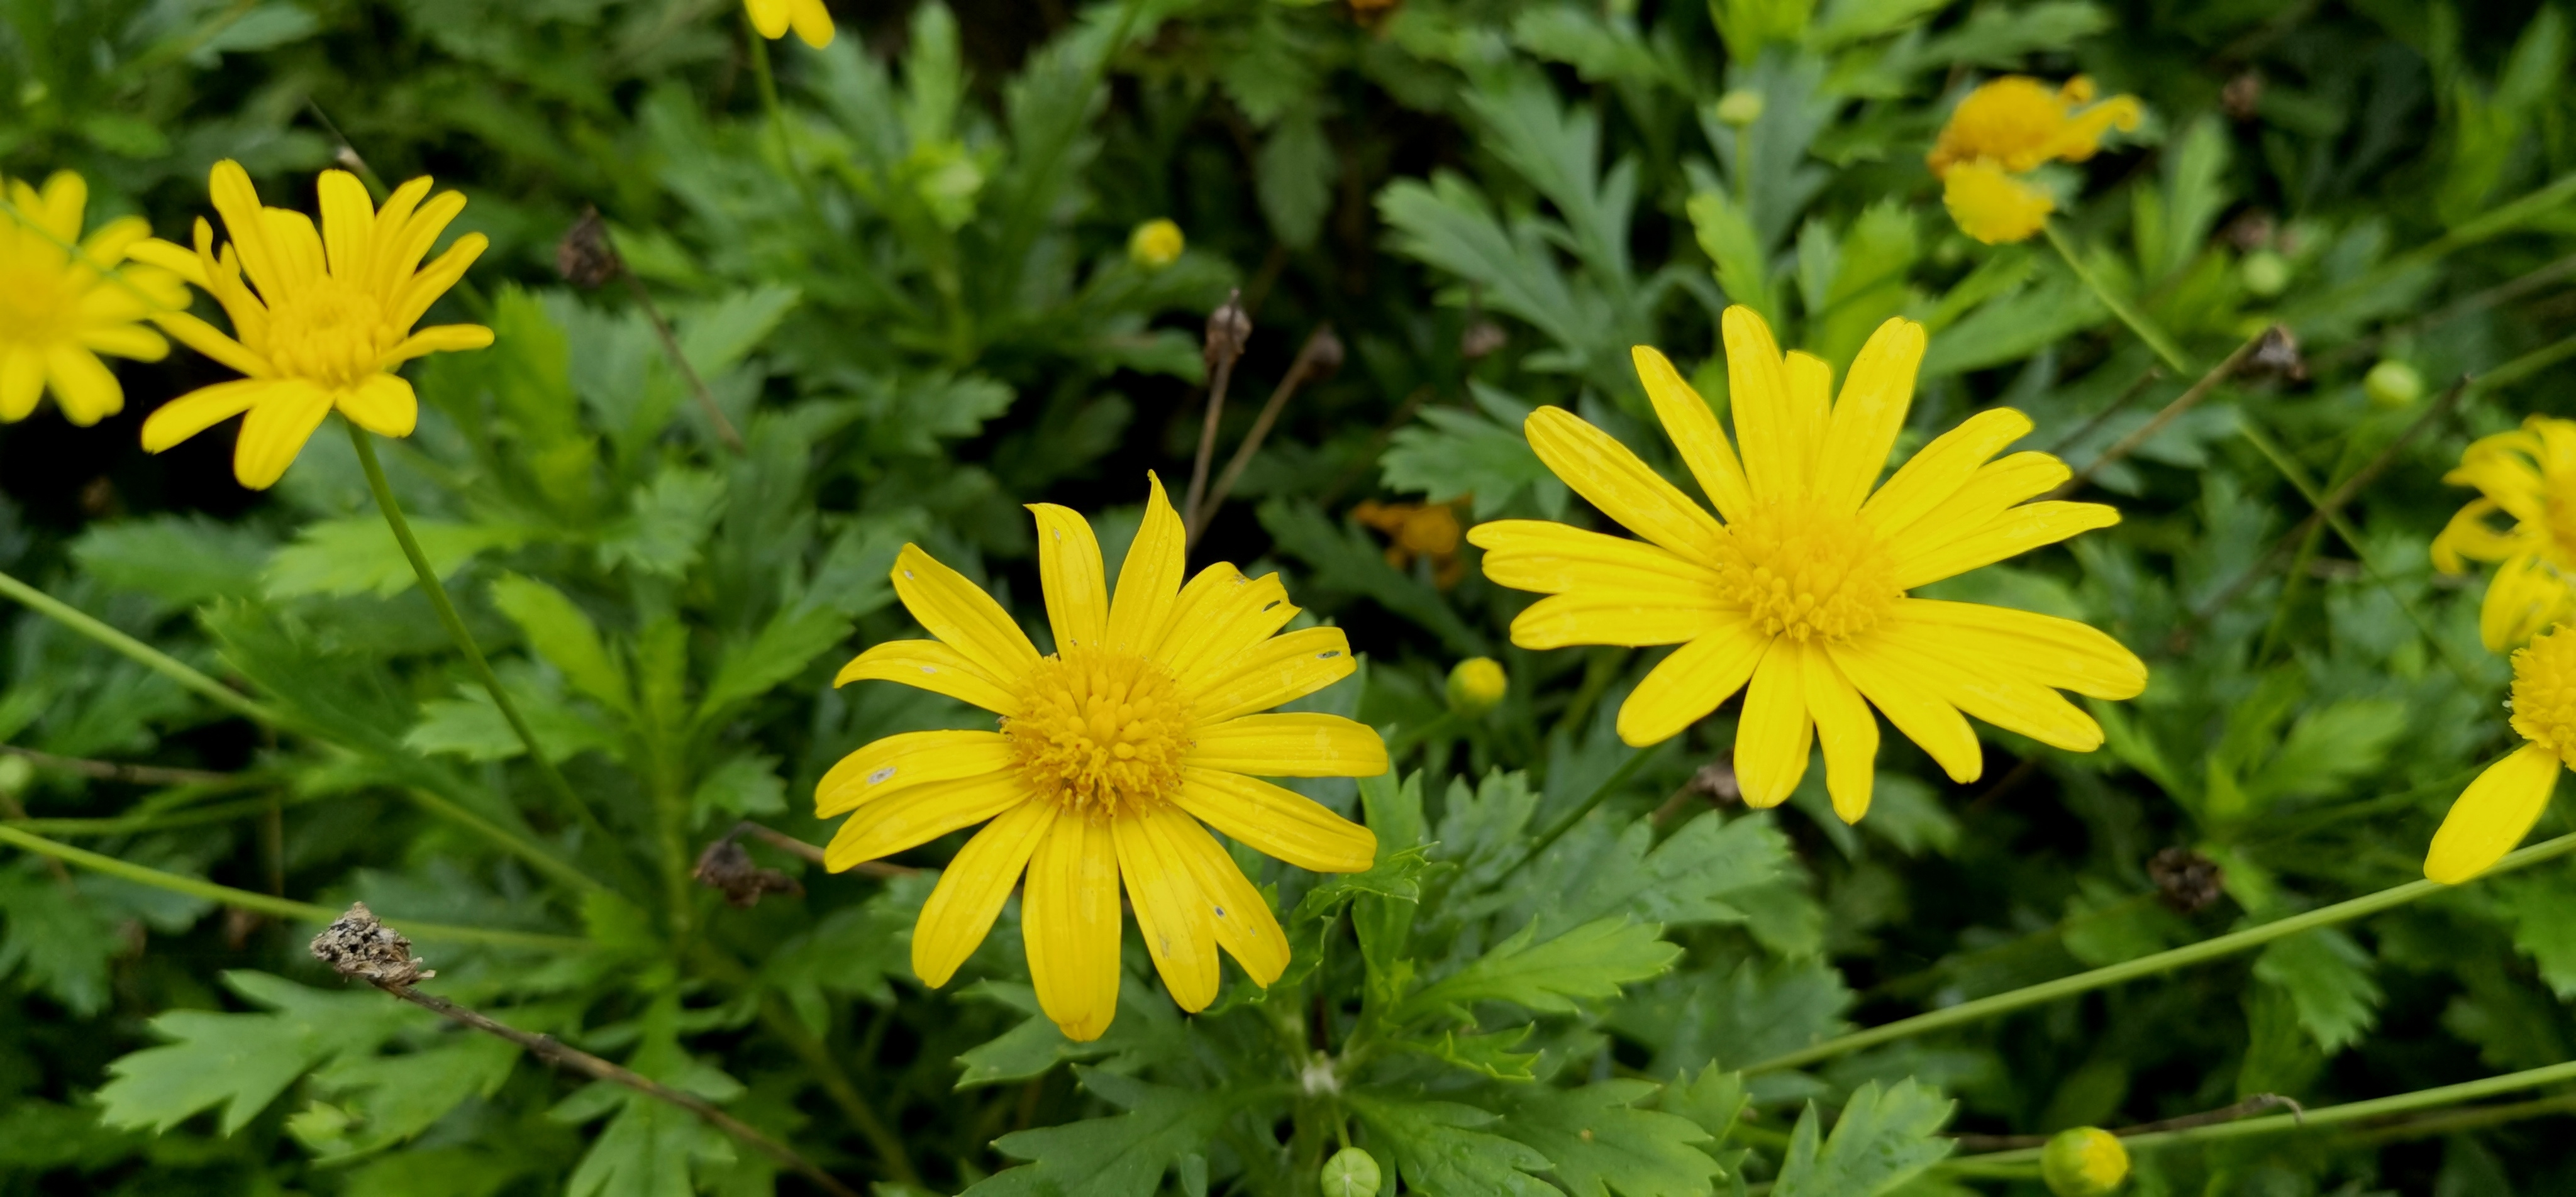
(65, 299)
(321, 315)
(1796, 590)
(1112, 756)
(2490, 817)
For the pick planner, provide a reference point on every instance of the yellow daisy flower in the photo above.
(330, 320)
(1111, 753)
(1798, 585)
(59, 311)
(2009, 127)
(2529, 475)
(2497, 810)
(812, 21)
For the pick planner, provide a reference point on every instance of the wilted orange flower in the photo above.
(1417, 530)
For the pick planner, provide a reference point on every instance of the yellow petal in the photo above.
(395, 234)
(1871, 411)
(1277, 822)
(814, 23)
(2492, 815)
(1895, 686)
(919, 815)
(1170, 913)
(1987, 494)
(398, 254)
(177, 259)
(276, 429)
(972, 889)
(1844, 729)
(930, 665)
(1811, 399)
(204, 338)
(770, 17)
(2011, 534)
(296, 246)
(2049, 650)
(437, 338)
(1693, 428)
(22, 381)
(1289, 744)
(961, 615)
(201, 409)
(348, 224)
(1617, 617)
(1218, 617)
(907, 759)
(1992, 206)
(58, 210)
(1775, 736)
(1149, 580)
(1552, 558)
(1995, 692)
(2524, 598)
(1069, 921)
(1939, 469)
(383, 404)
(1071, 577)
(415, 296)
(1611, 478)
(1280, 669)
(83, 385)
(125, 340)
(1237, 912)
(228, 186)
(1683, 688)
(1767, 420)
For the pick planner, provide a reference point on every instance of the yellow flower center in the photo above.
(1807, 573)
(1100, 732)
(330, 333)
(2544, 692)
(36, 308)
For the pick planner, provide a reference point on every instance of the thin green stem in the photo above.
(143, 654)
(266, 904)
(215, 812)
(1600, 794)
(2317, 1119)
(2148, 966)
(2128, 313)
(455, 624)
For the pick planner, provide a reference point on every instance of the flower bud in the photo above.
(2393, 384)
(1740, 107)
(1476, 685)
(2266, 274)
(1351, 1173)
(2084, 1162)
(1155, 244)
(15, 773)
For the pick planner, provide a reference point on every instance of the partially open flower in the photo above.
(2010, 127)
(2497, 810)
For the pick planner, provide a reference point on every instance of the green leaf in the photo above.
(1696, 875)
(1453, 454)
(2327, 975)
(384, 1100)
(717, 337)
(790, 641)
(1345, 559)
(1293, 175)
(56, 940)
(648, 1150)
(470, 726)
(1146, 1029)
(2000, 37)
(181, 560)
(1490, 1055)
(1726, 235)
(1882, 1140)
(359, 554)
(1120, 1155)
(852, 951)
(910, 416)
(1735, 1012)
(564, 635)
(1602, 1143)
(1713, 1100)
(666, 523)
(242, 1061)
(1590, 961)
(743, 785)
(2537, 900)
(1439, 1150)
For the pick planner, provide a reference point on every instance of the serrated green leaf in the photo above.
(1293, 176)
(1440, 1150)
(1883, 1139)
(359, 554)
(391, 1098)
(2327, 975)
(242, 1061)
(852, 951)
(1456, 454)
(1601, 1142)
(564, 635)
(1147, 1028)
(1588, 962)
(1119, 1155)
(1713, 1100)
(1698, 874)
(666, 524)
(2538, 900)
(57, 941)
(786, 644)
(181, 560)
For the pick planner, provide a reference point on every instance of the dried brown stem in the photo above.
(795, 847)
(146, 775)
(1320, 355)
(361, 947)
(2257, 1104)
(2143, 433)
(1227, 330)
(2121, 404)
(589, 257)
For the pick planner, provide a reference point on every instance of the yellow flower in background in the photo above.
(2009, 127)
(321, 316)
(60, 309)
(1155, 244)
(1111, 753)
(2529, 476)
(812, 21)
(2497, 810)
(1797, 587)
(1427, 530)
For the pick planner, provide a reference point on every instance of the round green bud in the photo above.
(2084, 1162)
(1476, 685)
(1740, 107)
(1351, 1173)
(2392, 384)
(1155, 244)
(15, 773)
(2266, 274)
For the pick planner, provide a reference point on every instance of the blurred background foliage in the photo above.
(902, 273)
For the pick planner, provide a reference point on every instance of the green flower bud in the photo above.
(2084, 1162)
(1155, 244)
(15, 773)
(1351, 1173)
(2266, 274)
(2393, 384)
(1476, 685)
(1740, 107)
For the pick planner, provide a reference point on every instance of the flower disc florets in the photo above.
(1807, 573)
(332, 333)
(2544, 692)
(1100, 732)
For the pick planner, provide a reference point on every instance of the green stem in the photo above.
(2147, 966)
(2129, 315)
(1405, 742)
(217, 812)
(509, 841)
(143, 654)
(2421, 1099)
(455, 624)
(1601, 793)
(265, 904)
